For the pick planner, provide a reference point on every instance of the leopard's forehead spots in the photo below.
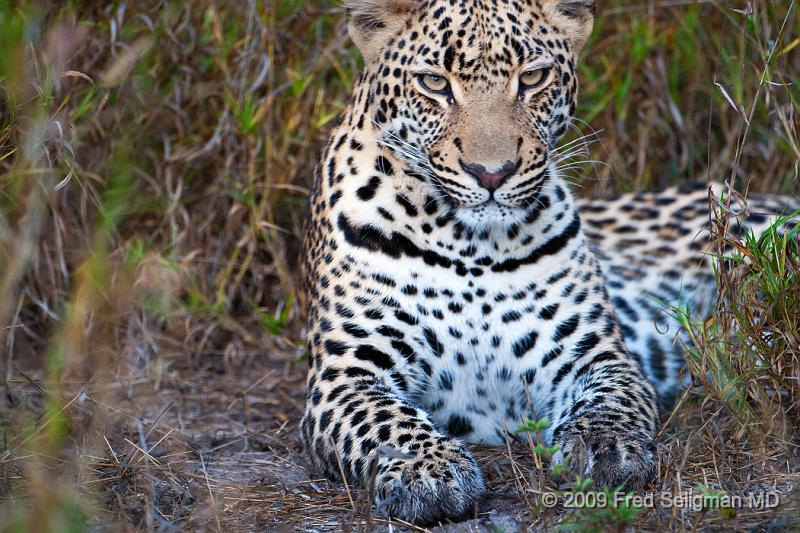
(480, 39)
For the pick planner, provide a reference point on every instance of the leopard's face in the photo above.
(473, 99)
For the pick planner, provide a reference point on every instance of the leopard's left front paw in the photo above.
(612, 458)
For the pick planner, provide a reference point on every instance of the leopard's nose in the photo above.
(491, 179)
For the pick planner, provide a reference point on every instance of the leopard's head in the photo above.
(473, 95)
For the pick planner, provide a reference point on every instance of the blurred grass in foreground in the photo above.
(154, 161)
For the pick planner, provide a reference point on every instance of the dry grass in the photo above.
(154, 161)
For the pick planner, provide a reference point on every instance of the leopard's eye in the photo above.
(533, 79)
(434, 83)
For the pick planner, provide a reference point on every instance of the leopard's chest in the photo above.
(472, 347)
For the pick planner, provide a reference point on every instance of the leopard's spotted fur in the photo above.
(453, 288)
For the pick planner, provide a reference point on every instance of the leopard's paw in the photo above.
(440, 482)
(610, 458)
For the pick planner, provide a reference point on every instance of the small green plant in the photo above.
(533, 426)
(542, 452)
(596, 511)
(582, 484)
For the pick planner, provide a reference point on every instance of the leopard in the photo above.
(454, 287)
(658, 252)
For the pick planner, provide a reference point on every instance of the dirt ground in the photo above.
(214, 446)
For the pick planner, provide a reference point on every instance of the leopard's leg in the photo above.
(356, 415)
(606, 416)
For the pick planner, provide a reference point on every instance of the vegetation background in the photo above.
(154, 163)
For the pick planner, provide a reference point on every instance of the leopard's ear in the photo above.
(372, 21)
(576, 17)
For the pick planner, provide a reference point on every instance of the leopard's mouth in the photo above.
(490, 213)
(510, 202)
(525, 195)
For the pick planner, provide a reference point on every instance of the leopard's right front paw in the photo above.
(441, 482)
